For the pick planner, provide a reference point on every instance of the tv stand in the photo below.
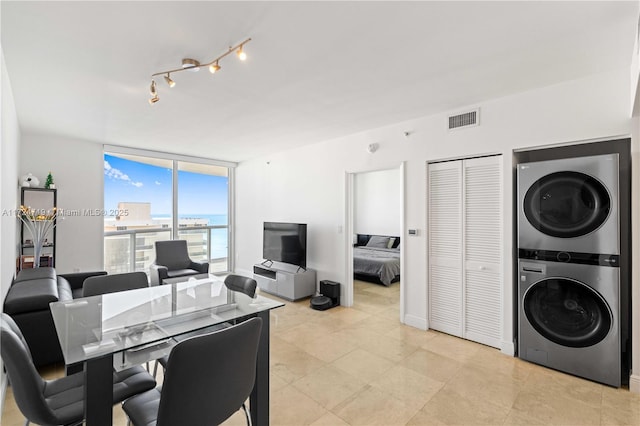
(289, 284)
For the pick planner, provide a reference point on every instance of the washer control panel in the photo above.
(612, 260)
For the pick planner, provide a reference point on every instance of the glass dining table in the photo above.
(123, 329)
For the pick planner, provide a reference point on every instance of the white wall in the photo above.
(9, 200)
(634, 91)
(9, 155)
(377, 202)
(634, 76)
(308, 184)
(634, 382)
(77, 168)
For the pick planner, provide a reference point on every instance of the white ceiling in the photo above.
(316, 70)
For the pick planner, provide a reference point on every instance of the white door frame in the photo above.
(347, 297)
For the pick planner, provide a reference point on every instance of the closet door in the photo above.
(445, 246)
(465, 248)
(482, 236)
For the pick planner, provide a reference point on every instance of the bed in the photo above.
(376, 258)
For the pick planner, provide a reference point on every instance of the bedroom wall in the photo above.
(308, 184)
(377, 202)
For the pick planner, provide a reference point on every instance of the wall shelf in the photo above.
(38, 199)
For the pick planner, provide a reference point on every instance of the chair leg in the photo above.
(155, 368)
(247, 414)
(26, 422)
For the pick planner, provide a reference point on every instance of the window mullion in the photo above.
(174, 215)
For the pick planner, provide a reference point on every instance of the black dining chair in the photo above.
(59, 401)
(208, 378)
(233, 282)
(241, 284)
(104, 284)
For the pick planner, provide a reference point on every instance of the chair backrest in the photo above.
(242, 284)
(173, 254)
(104, 284)
(27, 384)
(209, 377)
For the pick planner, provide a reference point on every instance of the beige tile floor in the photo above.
(360, 366)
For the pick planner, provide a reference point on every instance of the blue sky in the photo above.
(130, 181)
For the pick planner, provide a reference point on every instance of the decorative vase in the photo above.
(37, 252)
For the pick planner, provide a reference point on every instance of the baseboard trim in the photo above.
(417, 322)
(507, 348)
(634, 383)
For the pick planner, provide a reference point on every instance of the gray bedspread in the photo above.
(380, 262)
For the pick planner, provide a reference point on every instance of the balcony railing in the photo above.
(134, 249)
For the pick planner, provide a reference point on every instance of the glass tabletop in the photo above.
(91, 327)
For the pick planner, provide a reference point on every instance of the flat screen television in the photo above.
(286, 243)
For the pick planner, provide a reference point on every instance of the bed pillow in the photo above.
(377, 241)
(391, 242)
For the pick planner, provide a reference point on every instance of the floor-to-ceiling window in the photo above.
(155, 196)
(203, 212)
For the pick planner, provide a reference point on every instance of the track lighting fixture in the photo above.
(170, 82)
(194, 65)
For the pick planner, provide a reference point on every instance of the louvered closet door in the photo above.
(482, 237)
(445, 246)
(465, 248)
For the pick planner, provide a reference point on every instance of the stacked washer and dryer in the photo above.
(569, 266)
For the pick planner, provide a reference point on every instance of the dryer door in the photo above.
(567, 312)
(567, 204)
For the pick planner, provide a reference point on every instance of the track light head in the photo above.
(170, 82)
(241, 53)
(154, 100)
(213, 68)
(152, 88)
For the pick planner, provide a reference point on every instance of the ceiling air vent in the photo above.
(465, 119)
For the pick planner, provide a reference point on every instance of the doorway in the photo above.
(375, 220)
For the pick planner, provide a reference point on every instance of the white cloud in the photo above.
(119, 175)
(158, 183)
